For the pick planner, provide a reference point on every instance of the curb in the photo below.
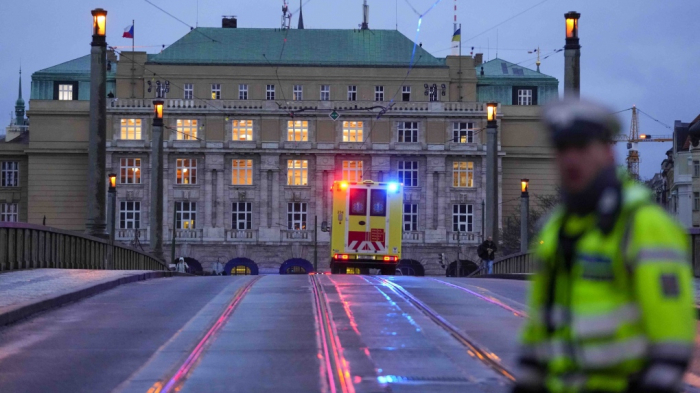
(23, 311)
(512, 276)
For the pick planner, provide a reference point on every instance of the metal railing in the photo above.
(28, 246)
(520, 263)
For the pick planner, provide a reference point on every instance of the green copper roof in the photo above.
(81, 65)
(388, 48)
(499, 68)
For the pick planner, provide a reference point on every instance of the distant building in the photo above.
(14, 164)
(251, 149)
(681, 170)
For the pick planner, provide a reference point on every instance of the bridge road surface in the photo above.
(320, 333)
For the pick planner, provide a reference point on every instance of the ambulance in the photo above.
(366, 226)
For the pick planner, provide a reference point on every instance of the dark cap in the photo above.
(573, 122)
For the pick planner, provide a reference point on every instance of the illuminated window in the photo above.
(186, 170)
(352, 270)
(242, 92)
(406, 93)
(241, 215)
(352, 171)
(270, 93)
(297, 131)
(463, 132)
(296, 216)
(185, 215)
(131, 129)
(462, 174)
(65, 92)
(524, 96)
(352, 93)
(298, 92)
(462, 218)
(130, 170)
(242, 130)
(410, 217)
(297, 172)
(379, 93)
(189, 91)
(240, 270)
(242, 172)
(408, 131)
(186, 130)
(216, 91)
(9, 212)
(325, 92)
(353, 131)
(10, 174)
(129, 215)
(408, 173)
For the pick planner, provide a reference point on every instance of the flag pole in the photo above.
(133, 35)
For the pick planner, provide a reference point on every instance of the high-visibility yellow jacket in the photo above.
(621, 312)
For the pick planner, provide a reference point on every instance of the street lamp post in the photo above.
(524, 214)
(97, 146)
(156, 218)
(491, 216)
(112, 216)
(572, 56)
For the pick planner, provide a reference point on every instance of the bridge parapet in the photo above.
(28, 246)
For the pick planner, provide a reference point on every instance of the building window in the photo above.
(243, 92)
(298, 92)
(379, 93)
(410, 217)
(242, 130)
(352, 93)
(524, 96)
(353, 131)
(296, 216)
(352, 171)
(65, 92)
(242, 172)
(325, 92)
(696, 201)
(131, 129)
(696, 168)
(216, 91)
(270, 93)
(189, 91)
(462, 174)
(10, 174)
(408, 173)
(241, 215)
(297, 172)
(186, 130)
(130, 170)
(129, 215)
(9, 212)
(406, 93)
(297, 131)
(186, 170)
(462, 218)
(185, 215)
(463, 132)
(408, 131)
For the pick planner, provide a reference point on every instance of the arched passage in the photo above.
(296, 266)
(240, 267)
(193, 265)
(410, 267)
(467, 268)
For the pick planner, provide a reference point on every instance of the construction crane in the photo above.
(634, 138)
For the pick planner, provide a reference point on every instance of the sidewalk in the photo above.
(26, 292)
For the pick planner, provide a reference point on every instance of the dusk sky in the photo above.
(642, 52)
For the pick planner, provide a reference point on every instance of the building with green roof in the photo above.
(502, 81)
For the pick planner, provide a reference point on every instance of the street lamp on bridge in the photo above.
(524, 213)
(156, 219)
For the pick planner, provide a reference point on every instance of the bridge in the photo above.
(248, 333)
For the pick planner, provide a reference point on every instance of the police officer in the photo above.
(612, 305)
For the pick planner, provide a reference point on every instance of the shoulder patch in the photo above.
(669, 285)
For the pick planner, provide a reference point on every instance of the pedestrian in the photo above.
(612, 306)
(486, 251)
(182, 266)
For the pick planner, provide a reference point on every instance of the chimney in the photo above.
(478, 59)
(229, 22)
(365, 16)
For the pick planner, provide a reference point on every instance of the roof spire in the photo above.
(301, 17)
(20, 82)
(19, 105)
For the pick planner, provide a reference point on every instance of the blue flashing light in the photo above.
(393, 187)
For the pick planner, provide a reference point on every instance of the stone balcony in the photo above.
(465, 238)
(241, 235)
(413, 237)
(128, 235)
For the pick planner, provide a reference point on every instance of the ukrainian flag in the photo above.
(457, 37)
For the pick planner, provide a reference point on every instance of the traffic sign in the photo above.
(334, 115)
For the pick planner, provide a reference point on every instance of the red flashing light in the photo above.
(390, 259)
(343, 185)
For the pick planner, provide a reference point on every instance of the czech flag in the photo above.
(457, 37)
(129, 32)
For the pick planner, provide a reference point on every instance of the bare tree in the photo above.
(510, 235)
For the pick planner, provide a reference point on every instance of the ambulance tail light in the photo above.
(391, 259)
(344, 257)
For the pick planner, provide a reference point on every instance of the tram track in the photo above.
(174, 380)
(476, 350)
(491, 299)
(337, 373)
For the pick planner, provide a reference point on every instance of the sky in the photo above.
(634, 52)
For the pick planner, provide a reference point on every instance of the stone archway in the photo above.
(241, 267)
(193, 265)
(467, 268)
(296, 266)
(410, 267)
